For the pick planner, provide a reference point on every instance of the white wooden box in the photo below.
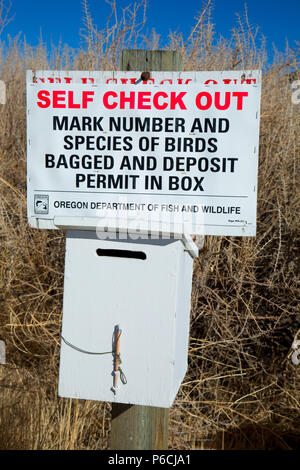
(148, 298)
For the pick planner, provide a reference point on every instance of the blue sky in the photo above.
(62, 19)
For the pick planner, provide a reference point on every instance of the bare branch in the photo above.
(4, 14)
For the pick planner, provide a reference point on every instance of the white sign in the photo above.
(177, 153)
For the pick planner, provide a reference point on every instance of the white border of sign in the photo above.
(224, 205)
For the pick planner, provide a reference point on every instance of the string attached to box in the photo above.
(116, 354)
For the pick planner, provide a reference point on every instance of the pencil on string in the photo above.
(117, 357)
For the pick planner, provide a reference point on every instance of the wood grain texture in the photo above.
(137, 427)
(141, 60)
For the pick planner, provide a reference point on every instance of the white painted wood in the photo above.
(182, 320)
(92, 223)
(2, 352)
(150, 301)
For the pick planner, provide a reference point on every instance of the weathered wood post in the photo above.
(137, 427)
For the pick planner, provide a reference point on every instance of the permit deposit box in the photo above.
(126, 313)
(172, 156)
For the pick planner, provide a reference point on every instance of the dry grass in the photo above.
(241, 390)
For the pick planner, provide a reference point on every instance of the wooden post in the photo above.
(136, 427)
(150, 61)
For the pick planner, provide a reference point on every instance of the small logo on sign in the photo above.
(41, 204)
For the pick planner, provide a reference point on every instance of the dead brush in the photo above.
(241, 389)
